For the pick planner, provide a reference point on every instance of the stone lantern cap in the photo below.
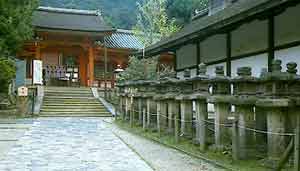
(200, 83)
(281, 84)
(220, 83)
(280, 89)
(159, 90)
(245, 86)
(149, 89)
(202, 76)
(171, 89)
(244, 75)
(184, 85)
(278, 75)
(220, 75)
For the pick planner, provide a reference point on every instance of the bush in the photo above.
(139, 69)
(7, 73)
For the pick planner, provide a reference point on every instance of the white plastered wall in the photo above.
(257, 63)
(289, 55)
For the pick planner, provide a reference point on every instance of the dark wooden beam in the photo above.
(175, 60)
(271, 42)
(287, 45)
(228, 54)
(198, 56)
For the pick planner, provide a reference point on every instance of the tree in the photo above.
(7, 72)
(153, 22)
(139, 69)
(15, 28)
(183, 10)
(15, 24)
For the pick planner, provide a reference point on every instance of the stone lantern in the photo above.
(276, 102)
(221, 100)
(244, 98)
(171, 91)
(161, 105)
(200, 94)
(121, 95)
(186, 105)
(137, 99)
(148, 94)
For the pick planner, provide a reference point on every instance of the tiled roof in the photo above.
(69, 19)
(230, 15)
(124, 39)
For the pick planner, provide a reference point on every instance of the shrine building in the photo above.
(74, 45)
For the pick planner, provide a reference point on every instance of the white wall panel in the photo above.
(289, 55)
(257, 63)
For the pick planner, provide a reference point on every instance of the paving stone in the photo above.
(83, 144)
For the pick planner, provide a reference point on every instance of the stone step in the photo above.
(74, 110)
(67, 88)
(74, 96)
(74, 113)
(71, 99)
(77, 115)
(71, 106)
(47, 104)
(77, 93)
(68, 97)
(71, 102)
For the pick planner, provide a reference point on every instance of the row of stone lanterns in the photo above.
(265, 108)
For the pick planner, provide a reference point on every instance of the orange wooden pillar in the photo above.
(38, 52)
(91, 65)
(83, 70)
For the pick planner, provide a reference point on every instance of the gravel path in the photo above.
(162, 158)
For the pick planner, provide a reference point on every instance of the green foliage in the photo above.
(182, 10)
(118, 13)
(122, 13)
(7, 73)
(139, 69)
(153, 22)
(15, 27)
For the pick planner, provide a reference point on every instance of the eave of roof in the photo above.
(69, 19)
(123, 39)
(69, 11)
(239, 11)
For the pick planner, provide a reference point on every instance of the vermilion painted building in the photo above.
(71, 43)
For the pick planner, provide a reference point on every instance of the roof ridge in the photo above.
(69, 11)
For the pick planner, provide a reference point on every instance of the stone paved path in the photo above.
(71, 144)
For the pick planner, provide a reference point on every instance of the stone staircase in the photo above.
(71, 102)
